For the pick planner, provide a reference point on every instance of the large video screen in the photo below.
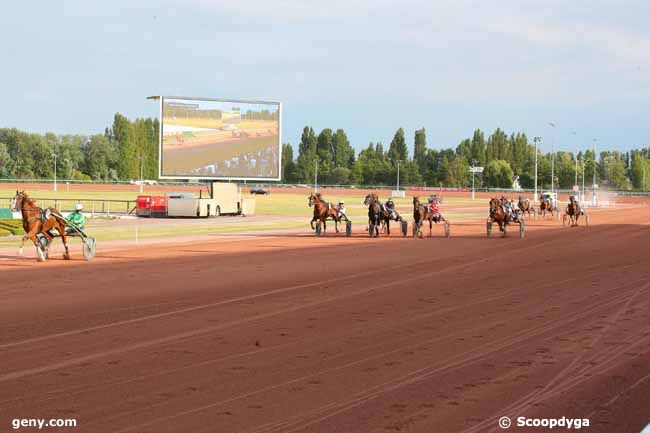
(219, 139)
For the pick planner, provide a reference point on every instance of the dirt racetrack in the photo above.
(290, 333)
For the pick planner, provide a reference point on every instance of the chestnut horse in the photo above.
(573, 210)
(525, 206)
(545, 205)
(322, 211)
(498, 215)
(420, 214)
(38, 221)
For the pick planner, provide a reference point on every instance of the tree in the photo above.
(420, 149)
(6, 165)
(498, 174)
(343, 151)
(127, 163)
(457, 172)
(307, 156)
(398, 149)
(639, 174)
(288, 165)
(97, 157)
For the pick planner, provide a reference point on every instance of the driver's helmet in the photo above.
(78, 207)
(341, 202)
(390, 200)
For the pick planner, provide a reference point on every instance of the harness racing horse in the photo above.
(322, 211)
(545, 205)
(420, 214)
(525, 207)
(375, 214)
(37, 221)
(500, 216)
(389, 215)
(574, 211)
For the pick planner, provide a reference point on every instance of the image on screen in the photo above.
(220, 139)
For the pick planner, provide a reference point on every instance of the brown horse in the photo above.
(498, 215)
(545, 205)
(420, 214)
(322, 211)
(375, 214)
(573, 210)
(37, 221)
(525, 207)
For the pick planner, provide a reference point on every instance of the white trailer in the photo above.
(225, 199)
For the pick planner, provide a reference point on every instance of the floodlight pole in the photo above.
(593, 185)
(398, 161)
(473, 179)
(141, 173)
(583, 178)
(552, 125)
(576, 182)
(54, 154)
(536, 140)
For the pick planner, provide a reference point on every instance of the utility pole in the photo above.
(54, 154)
(536, 140)
(141, 174)
(398, 161)
(576, 181)
(552, 124)
(473, 178)
(583, 178)
(593, 184)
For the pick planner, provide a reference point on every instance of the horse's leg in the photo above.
(64, 239)
(32, 236)
(22, 244)
(388, 227)
(430, 227)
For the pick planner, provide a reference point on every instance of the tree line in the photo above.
(504, 156)
(117, 154)
(120, 151)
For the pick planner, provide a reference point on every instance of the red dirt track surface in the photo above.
(292, 333)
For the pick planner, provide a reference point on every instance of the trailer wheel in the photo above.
(217, 211)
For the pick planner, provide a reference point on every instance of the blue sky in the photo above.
(368, 66)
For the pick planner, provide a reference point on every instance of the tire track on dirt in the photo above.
(455, 361)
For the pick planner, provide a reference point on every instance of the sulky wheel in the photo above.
(522, 229)
(348, 228)
(447, 230)
(488, 227)
(89, 248)
(405, 228)
(318, 228)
